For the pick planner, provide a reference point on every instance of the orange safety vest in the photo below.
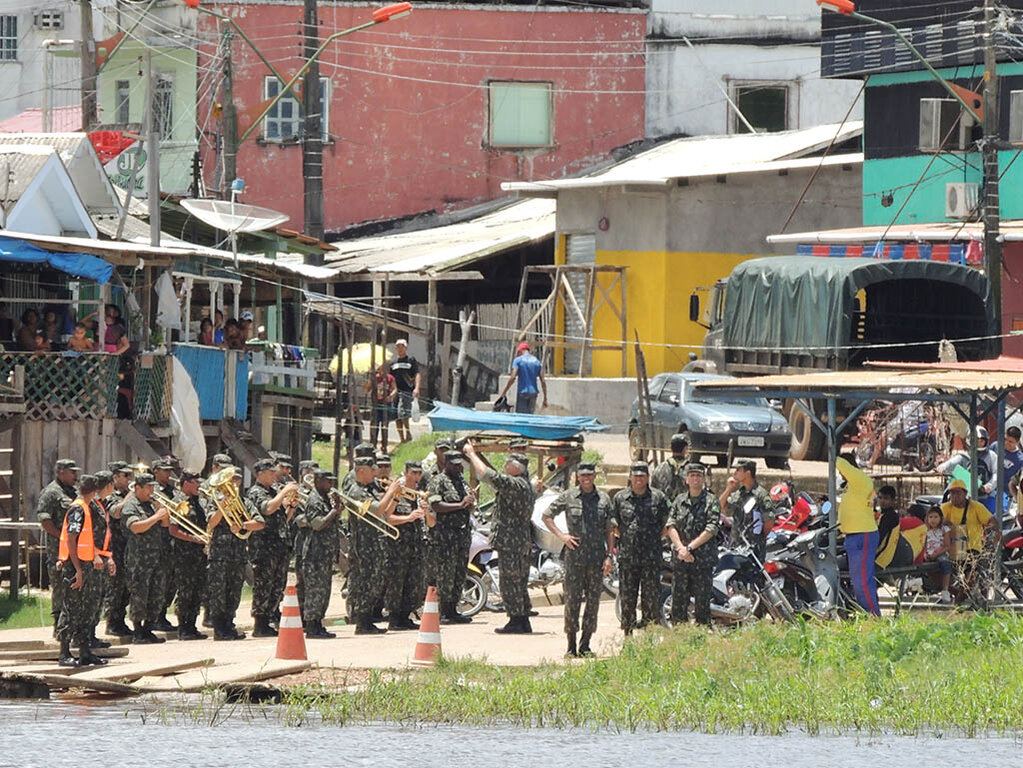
(106, 551)
(86, 546)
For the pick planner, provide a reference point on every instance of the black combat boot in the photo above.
(95, 642)
(524, 626)
(319, 632)
(584, 646)
(452, 616)
(163, 625)
(207, 622)
(117, 628)
(364, 626)
(400, 624)
(87, 659)
(140, 636)
(261, 627)
(572, 650)
(222, 630)
(189, 632)
(151, 635)
(66, 659)
(511, 628)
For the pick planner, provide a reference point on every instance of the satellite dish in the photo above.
(234, 217)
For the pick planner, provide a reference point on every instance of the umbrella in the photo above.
(361, 356)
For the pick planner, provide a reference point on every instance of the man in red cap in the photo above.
(527, 371)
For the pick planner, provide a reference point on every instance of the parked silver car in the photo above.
(716, 426)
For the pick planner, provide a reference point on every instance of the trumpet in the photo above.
(179, 516)
(224, 495)
(414, 496)
(361, 510)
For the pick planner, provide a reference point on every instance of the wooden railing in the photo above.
(61, 387)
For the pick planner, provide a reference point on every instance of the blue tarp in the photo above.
(449, 418)
(77, 264)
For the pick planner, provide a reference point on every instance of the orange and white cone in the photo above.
(428, 642)
(290, 634)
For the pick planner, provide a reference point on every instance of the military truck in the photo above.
(801, 314)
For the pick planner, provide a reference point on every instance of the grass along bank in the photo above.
(908, 676)
(25, 612)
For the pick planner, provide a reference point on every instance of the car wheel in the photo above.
(636, 450)
(807, 440)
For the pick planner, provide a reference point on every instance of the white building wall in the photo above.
(734, 43)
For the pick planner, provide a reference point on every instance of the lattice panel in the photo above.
(63, 387)
(152, 401)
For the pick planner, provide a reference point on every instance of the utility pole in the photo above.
(89, 115)
(152, 155)
(312, 153)
(229, 118)
(989, 148)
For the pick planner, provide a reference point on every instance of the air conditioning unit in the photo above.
(961, 199)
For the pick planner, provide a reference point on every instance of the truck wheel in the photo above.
(807, 439)
(776, 462)
(636, 451)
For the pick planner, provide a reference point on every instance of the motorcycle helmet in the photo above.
(981, 433)
(780, 491)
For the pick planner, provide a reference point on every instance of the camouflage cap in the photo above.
(413, 466)
(144, 478)
(222, 460)
(308, 465)
(695, 466)
(365, 449)
(323, 474)
(87, 484)
(364, 461)
(263, 465)
(118, 466)
(104, 477)
(383, 460)
(639, 468)
(453, 457)
(163, 464)
(187, 476)
(586, 468)
(444, 442)
(519, 458)
(68, 464)
(283, 460)
(680, 440)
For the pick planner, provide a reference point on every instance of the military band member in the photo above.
(588, 548)
(268, 546)
(440, 447)
(670, 476)
(115, 603)
(163, 474)
(226, 568)
(638, 515)
(361, 451)
(144, 524)
(319, 524)
(53, 502)
(693, 526)
(297, 531)
(510, 533)
(451, 501)
(190, 561)
(406, 586)
(102, 538)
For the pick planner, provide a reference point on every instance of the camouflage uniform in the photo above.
(670, 478)
(115, 598)
(225, 571)
(268, 553)
(74, 625)
(168, 567)
(368, 577)
(752, 527)
(586, 516)
(406, 580)
(314, 563)
(53, 502)
(190, 561)
(691, 517)
(98, 579)
(145, 556)
(640, 521)
(511, 536)
(449, 539)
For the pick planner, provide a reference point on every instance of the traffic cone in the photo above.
(428, 642)
(290, 635)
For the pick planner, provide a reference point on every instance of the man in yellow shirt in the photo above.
(856, 521)
(968, 519)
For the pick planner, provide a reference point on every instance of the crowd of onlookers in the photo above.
(229, 333)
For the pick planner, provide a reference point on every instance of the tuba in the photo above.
(361, 510)
(179, 516)
(224, 495)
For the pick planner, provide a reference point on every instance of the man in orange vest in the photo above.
(76, 564)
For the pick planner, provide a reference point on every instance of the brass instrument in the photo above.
(410, 494)
(179, 516)
(224, 495)
(361, 510)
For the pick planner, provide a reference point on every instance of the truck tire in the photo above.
(807, 439)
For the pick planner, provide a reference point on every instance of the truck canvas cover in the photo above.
(808, 302)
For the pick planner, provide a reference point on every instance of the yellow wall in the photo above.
(659, 284)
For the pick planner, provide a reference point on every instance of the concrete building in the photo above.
(765, 56)
(681, 216)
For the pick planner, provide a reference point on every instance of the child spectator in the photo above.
(206, 332)
(936, 547)
(79, 341)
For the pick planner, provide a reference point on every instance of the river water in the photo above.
(56, 733)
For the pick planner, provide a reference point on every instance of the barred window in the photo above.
(8, 38)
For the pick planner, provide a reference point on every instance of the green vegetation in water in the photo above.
(906, 676)
(33, 611)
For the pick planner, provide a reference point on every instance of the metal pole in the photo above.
(989, 147)
(973, 447)
(832, 478)
(47, 87)
(230, 121)
(152, 156)
(312, 160)
(996, 576)
(89, 116)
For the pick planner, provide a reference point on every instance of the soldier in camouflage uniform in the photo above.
(225, 572)
(143, 522)
(511, 533)
(76, 546)
(752, 527)
(115, 601)
(102, 537)
(268, 547)
(53, 502)
(368, 578)
(219, 462)
(190, 560)
(298, 532)
(670, 476)
(587, 511)
(693, 526)
(293, 503)
(638, 515)
(406, 586)
(451, 502)
(361, 451)
(163, 472)
(318, 525)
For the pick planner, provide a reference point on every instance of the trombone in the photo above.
(224, 495)
(414, 496)
(361, 510)
(179, 516)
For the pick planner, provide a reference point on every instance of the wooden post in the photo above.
(16, 489)
(465, 324)
(625, 329)
(591, 289)
(339, 411)
(445, 363)
(431, 338)
(373, 373)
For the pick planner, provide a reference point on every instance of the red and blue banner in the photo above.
(956, 253)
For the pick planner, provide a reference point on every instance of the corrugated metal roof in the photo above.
(702, 156)
(439, 249)
(19, 165)
(860, 380)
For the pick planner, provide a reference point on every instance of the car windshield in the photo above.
(705, 396)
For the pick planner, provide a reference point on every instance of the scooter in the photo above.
(808, 574)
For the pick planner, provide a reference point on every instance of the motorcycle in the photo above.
(481, 579)
(808, 575)
(791, 518)
(910, 435)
